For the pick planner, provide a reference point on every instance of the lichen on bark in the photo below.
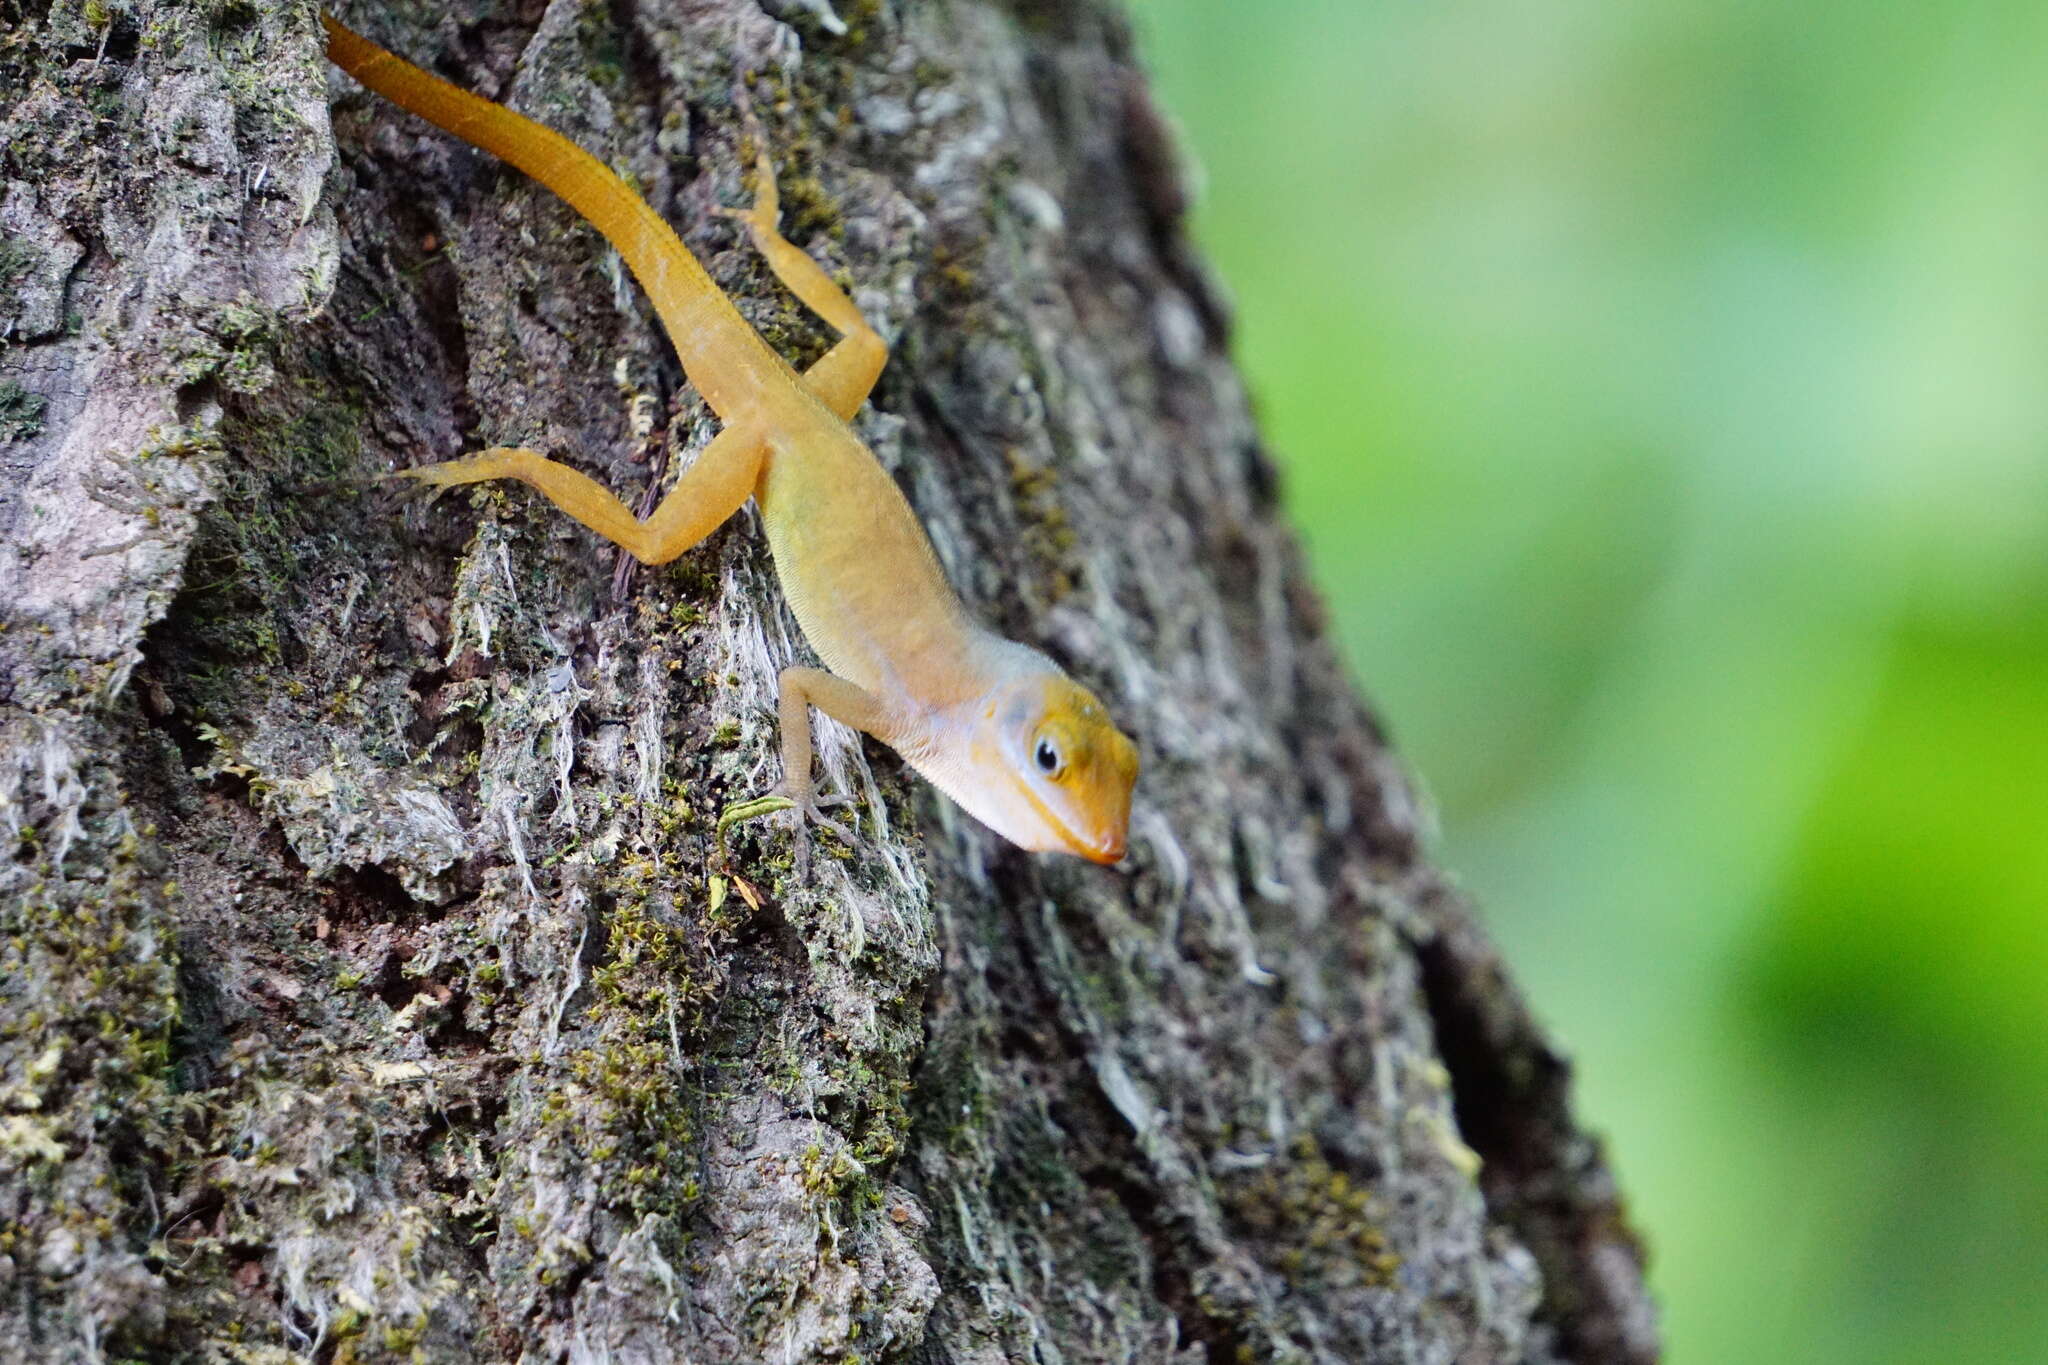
(371, 986)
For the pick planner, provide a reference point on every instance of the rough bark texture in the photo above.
(370, 988)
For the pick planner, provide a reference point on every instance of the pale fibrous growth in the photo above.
(994, 724)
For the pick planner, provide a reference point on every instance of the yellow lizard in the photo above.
(994, 724)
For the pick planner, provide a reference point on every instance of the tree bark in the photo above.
(372, 986)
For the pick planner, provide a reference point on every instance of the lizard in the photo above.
(993, 723)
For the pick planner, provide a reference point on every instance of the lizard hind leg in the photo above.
(843, 378)
(706, 494)
(575, 492)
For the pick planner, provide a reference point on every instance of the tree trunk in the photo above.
(372, 984)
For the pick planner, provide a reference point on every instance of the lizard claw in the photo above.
(747, 215)
(809, 812)
(813, 813)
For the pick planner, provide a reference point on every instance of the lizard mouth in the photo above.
(1106, 852)
(1106, 848)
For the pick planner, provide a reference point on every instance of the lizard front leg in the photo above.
(799, 689)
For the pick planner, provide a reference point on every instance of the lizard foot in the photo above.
(811, 812)
(487, 464)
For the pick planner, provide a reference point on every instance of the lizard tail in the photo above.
(698, 316)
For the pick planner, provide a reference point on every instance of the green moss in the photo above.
(236, 344)
(839, 1186)
(21, 412)
(87, 1002)
(223, 15)
(808, 209)
(957, 283)
(1313, 1221)
(15, 260)
(628, 1110)
(247, 557)
(879, 1119)
(859, 17)
(603, 49)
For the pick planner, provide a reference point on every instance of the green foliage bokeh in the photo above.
(1663, 391)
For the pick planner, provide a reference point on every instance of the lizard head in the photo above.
(1044, 766)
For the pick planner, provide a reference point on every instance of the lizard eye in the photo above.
(1046, 756)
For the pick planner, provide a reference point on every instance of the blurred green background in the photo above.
(1663, 390)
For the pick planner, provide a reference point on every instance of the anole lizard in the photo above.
(994, 724)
